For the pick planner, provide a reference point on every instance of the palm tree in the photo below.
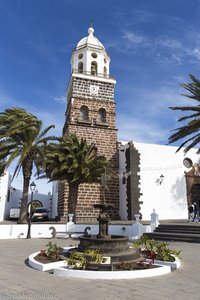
(192, 127)
(76, 162)
(22, 139)
(2, 167)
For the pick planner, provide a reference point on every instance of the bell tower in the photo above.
(91, 115)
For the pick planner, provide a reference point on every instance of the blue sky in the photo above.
(153, 46)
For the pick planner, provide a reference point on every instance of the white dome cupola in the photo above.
(90, 57)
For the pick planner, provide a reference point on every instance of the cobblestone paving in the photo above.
(18, 281)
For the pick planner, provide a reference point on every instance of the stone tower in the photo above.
(91, 114)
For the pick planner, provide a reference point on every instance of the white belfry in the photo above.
(90, 57)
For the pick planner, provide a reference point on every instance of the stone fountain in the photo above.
(115, 247)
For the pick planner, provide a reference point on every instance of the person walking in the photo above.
(190, 212)
(196, 212)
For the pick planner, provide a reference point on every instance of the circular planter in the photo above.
(60, 268)
(66, 272)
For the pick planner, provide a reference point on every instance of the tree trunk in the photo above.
(24, 202)
(72, 199)
(27, 167)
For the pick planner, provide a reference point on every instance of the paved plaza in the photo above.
(18, 281)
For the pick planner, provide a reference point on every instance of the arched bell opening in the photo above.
(102, 115)
(94, 68)
(84, 114)
(80, 67)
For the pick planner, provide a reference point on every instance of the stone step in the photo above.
(172, 236)
(178, 231)
(192, 225)
(184, 229)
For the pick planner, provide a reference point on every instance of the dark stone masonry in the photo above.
(103, 134)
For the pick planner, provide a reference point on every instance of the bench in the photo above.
(65, 235)
(68, 234)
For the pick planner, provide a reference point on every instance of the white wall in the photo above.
(122, 187)
(4, 181)
(46, 200)
(168, 198)
(10, 197)
(54, 199)
(14, 231)
(13, 200)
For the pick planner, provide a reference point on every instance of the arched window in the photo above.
(94, 68)
(84, 116)
(105, 71)
(80, 67)
(36, 203)
(102, 115)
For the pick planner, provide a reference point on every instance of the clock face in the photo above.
(94, 90)
(187, 162)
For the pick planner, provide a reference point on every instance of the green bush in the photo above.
(155, 249)
(52, 252)
(79, 260)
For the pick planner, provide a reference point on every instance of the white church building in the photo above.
(153, 177)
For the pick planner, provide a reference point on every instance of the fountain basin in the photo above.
(116, 247)
(113, 243)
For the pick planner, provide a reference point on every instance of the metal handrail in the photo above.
(76, 71)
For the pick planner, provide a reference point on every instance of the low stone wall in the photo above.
(16, 231)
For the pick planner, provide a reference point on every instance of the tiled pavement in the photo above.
(18, 281)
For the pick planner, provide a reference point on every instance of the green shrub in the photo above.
(78, 260)
(52, 252)
(155, 249)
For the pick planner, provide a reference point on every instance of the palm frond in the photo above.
(185, 108)
(193, 126)
(44, 132)
(188, 117)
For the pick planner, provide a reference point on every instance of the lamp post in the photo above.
(32, 187)
(161, 178)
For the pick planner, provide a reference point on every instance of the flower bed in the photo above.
(61, 269)
(41, 266)
(158, 251)
(173, 264)
(55, 258)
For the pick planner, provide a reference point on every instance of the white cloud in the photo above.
(49, 118)
(143, 16)
(176, 58)
(133, 38)
(149, 119)
(128, 40)
(196, 53)
(163, 50)
(5, 100)
(140, 130)
(42, 185)
(169, 43)
(61, 99)
(154, 100)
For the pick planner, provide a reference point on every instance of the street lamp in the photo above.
(32, 187)
(160, 179)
